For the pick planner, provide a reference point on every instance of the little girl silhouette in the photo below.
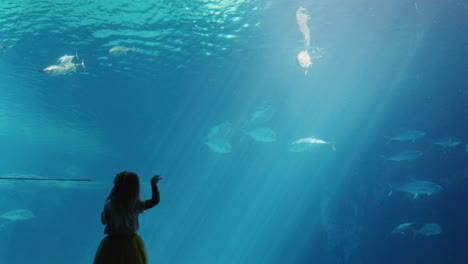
(122, 245)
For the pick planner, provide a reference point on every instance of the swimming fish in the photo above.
(305, 144)
(217, 140)
(303, 60)
(221, 130)
(401, 229)
(263, 134)
(448, 142)
(120, 50)
(65, 65)
(18, 215)
(405, 155)
(417, 188)
(409, 135)
(67, 59)
(61, 68)
(261, 114)
(429, 229)
(219, 145)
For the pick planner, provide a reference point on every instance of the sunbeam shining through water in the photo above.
(285, 131)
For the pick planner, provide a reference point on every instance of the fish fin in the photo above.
(391, 190)
(82, 64)
(415, 196)
(76, 55)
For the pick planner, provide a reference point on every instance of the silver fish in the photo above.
(410, 135)
(217, 140)
(120, 50)
(219, 145)
(65, 65)
(429, 229)
(221, 130)
(18, 215)
(67, 59)
(261, 114)
(401, 229)
(405, 155)
(61, 68)
(308, 143)
(448, 142)
(417, 188)
(262, 134)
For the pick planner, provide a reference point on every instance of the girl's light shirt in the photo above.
(123, 224)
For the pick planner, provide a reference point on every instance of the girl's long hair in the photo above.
(126, 191)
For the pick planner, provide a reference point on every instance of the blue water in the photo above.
(380, 68)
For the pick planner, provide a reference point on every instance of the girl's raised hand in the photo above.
(155, 179)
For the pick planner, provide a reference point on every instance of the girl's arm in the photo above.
(155, 197)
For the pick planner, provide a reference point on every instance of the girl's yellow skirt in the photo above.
(121, 249)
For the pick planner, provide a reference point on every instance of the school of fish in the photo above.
(418, 188)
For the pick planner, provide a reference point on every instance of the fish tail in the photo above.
(391, 190)
(82, 64)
